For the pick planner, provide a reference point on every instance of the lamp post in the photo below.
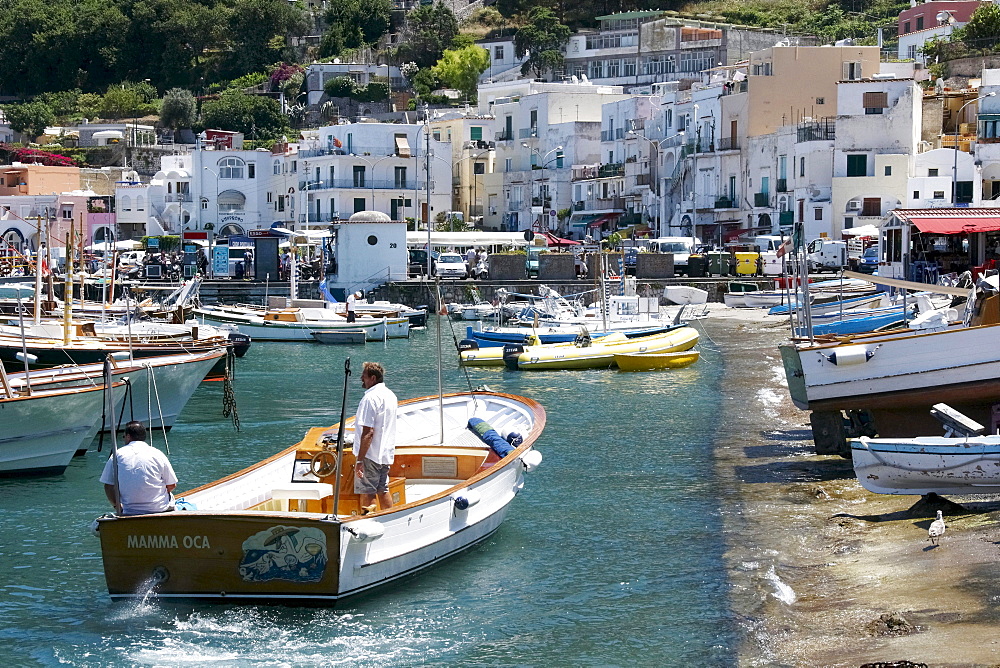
(542, 164)
(954, 169)
(211, 235)
(694, 177)
(471, 156)
(657, 143)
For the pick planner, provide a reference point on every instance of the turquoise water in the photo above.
(611, 555)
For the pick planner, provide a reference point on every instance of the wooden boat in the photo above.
(833, 306)
(601, 355)
(897, 376)
(270, 532)
(159, 386)
(341, 337)
(736, 293)
(923, 465)
(43, 430)
(654, 361)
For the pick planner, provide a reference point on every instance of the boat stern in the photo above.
(794, 375)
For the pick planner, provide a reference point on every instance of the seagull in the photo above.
(936, 529)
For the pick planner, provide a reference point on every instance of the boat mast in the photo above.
(340, 439)
(437, 280)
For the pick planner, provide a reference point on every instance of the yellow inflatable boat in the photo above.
(601, 355)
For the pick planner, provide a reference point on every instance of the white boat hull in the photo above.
(928, 464)
(41, 433)
(260, 329)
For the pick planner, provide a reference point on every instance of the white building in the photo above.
(318, 74)
(369, 250)
(987, 150)
(372, 167)
(504, 65)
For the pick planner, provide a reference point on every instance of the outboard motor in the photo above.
(241, 343)
(511, 351)
(467, 344)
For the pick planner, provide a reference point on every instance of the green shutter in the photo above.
(476, 133)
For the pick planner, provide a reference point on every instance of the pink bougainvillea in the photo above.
(284, 72)
(37, 156)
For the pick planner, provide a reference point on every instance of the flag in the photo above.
(337, 142)
(785, 246)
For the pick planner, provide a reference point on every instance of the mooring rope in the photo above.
(228, 395)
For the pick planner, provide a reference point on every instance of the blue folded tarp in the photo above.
(490, 437)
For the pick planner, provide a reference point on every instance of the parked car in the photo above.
(450, 265)
(418, 262)
(869, 260)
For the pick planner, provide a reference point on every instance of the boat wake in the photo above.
(139, 607)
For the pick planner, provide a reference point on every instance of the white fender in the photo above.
(531, 460)
(365, 531)
(465, 499)
(850, 355)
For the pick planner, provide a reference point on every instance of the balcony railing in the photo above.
(786, 217)
(761, 199)
(541, 201)
(350, 150)
(579, 205)
(515, 205)
(605, 135)
(599, 171)
(319, 217)
(527, 133)
(366, 184)
(627, 219)
(782, 185)
(729, 144)
(725, 203)
(642, 179)
(505, 135)
(824, 129)
(178, 197)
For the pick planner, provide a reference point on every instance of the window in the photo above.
(817, 213)
(916, 194)
(479, 168)
(875, 102)
(270, 197)
(399, 180)
(359, 204)
(231, 168)
(783, 167)
(251, 170)
(359, 177)
(802, 166)
(231, 201)
(476, 133)
(534, 119)
(852, 71)
(508, 164)
(820, 100)
(276, 167)
(295, 166)
(871, 206)
(906, 27)
(67, 213)
(848, 222)
(126, 203)
(204, 203)
(281, 203)
(331, 176)
(938, 194)
(920, 23)
(857, 165)
(963, 192)
(559, 160)
(437, 135)
(888, 170)
(932, 172)
(497, 53)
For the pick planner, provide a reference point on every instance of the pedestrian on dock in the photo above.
(733, 262)
(352, 300)
(375, 450)
(146, 479)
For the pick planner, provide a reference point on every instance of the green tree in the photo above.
(983, 29)
(341, 87)
(424, 81)
(258, 33)
(29, 117)
(179, 109)
(128, 100)
(432, 29)
(355, 23)
(255, 116)
(542, 40)
(461, 68)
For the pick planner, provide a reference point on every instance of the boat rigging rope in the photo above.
(454, 339)
(115, 426)
(151, 379)
(228, 395)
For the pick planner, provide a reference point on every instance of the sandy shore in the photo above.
(815, 559)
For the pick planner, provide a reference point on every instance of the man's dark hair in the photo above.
(135, 431)
(375, 370)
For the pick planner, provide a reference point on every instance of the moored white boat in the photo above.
(261, 535)
(41, 431)
(298, 324)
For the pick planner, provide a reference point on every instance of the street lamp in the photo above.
(657, 143)
(542, 165)
(471, 156)
(954, 169)
(211, 236)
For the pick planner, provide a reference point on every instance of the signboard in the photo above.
(220, 260)
(190, 248)
(153, 242)
(256, 234)
(241, 242)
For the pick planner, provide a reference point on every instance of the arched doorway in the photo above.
(231, 230)
(103, 234)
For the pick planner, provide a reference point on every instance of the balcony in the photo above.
(178, 197)
(527, 133)
(729, 144)
(541, 201)
(366, 184)
(349, 150)
(782, 185)
(605, 135)
(786, 217)
(611, 169)
(825, 129)
(515, 205)
(579, 205)
(725, 203)
(319, 217)
(609, 203)
(642, 179)
(627, 219)
(505, 135)
(761, 199)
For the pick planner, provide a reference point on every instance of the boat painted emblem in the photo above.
(297, 554)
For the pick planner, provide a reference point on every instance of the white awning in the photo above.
(402, 147)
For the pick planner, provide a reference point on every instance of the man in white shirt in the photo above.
(145, 476)
(470, 260)
(352, 300)
(376, 448)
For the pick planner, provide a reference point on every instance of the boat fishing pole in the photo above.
(340, 439)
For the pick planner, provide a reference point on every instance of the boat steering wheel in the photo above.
(323, 464)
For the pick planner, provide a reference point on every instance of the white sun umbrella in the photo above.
(128, 244)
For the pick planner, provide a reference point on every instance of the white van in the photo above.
(827, 254)
(681, 247)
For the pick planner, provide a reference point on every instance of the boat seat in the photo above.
(315, 492)
(956, 425)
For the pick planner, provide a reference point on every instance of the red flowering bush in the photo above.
(37, 156)
(284, 72)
